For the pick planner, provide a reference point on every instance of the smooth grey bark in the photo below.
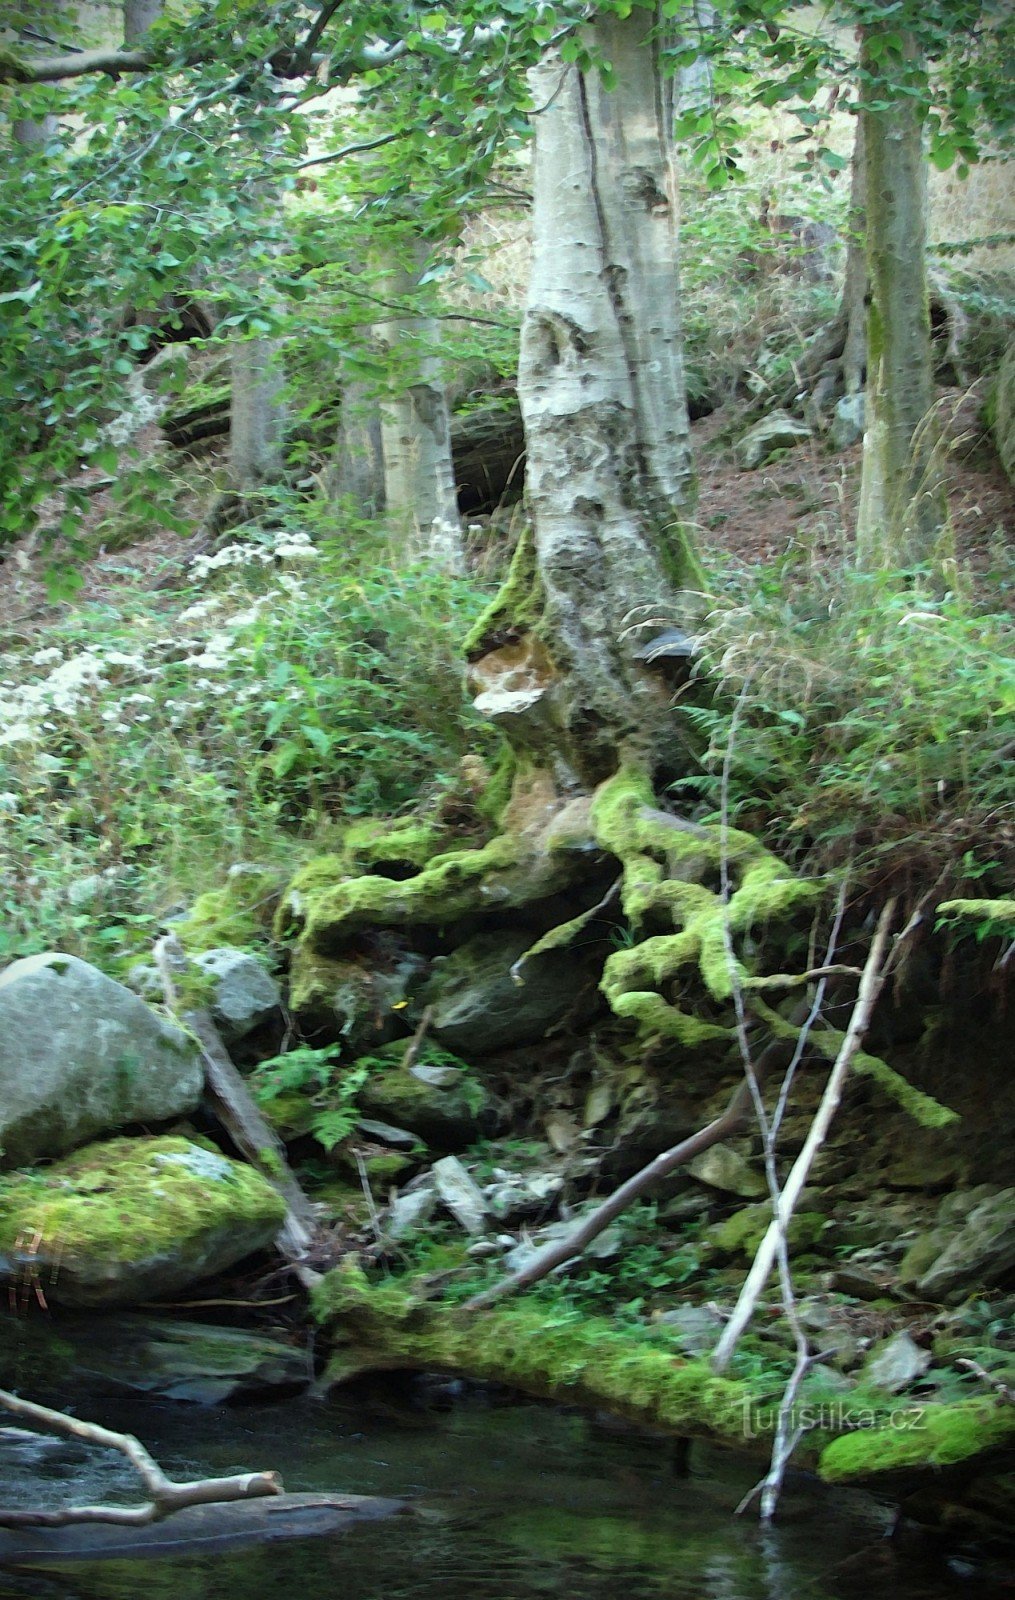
(138, 16)
(854, 288)
(602, 392)
(419, 479)
(257, 414)
(902, 506)
(357, 469)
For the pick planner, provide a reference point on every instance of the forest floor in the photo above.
(799, 510)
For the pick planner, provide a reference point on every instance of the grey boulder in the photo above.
(81, 1055)
(767, 438)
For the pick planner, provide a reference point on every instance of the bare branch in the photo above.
(870, 987)
(166, 1495)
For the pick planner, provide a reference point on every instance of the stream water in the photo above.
(512, 1502)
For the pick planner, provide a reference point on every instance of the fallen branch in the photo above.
(166, 1495)
(725, 1126)
(233, 1104)
(874, 974)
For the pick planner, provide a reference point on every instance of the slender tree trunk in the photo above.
(854, 288)
(357, 469)
(257, 414)
(419, 479)
(601, 385)
(902, 507)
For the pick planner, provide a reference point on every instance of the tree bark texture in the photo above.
(257, 414)
(419, 480)
(138, 16)
(902, 508)
(601, 384)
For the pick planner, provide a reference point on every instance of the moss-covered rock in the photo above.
(742, 1233)
(239, 913)
(921, 1436)
(132, 1219)
(440, 1100)
(349, 1000)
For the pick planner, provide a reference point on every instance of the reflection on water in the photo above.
(512, 1503)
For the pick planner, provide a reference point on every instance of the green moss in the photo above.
(497, 792)
(578, 1360)
(939, 1436)
(445, 889)
(664, 868)
(516, 607)
(124, 1200)
(742, 1233)
(197, 400)
(239, 913)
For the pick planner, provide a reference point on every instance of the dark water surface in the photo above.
(513, 1502)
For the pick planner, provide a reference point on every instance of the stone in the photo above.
(964, 1254)
(349, 1000)
(848, 421)
(200, 1362)
(776, 432)
(478, 1008)
(386, 1133)
(132, 1219)
(244, 994)
(517, 1196)
(410, 1212)
(896, 1363)
(461, 1196)
(696, 1328)
(80, 1055)
(447, 1115)
(723, 1168)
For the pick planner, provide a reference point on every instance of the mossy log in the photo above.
(202, 413)
(577, 1360)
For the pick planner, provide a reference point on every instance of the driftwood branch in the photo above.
(165, 1495)
(233, 1105)
(874, 973)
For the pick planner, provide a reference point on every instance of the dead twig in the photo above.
(166, 1495)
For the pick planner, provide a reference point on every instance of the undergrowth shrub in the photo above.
(148, 744)
(861, 717)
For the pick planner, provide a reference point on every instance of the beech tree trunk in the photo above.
(601, 386)
(902, 506)
(257, 414)
(419, 480)
(138, 16)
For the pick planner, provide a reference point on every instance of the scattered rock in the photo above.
(848, 421)
(479, 1008)
(410, 1212)
(773, 433)
(84, 1056)
(896, 1363)
(193, 1361)
(514, 1197)
(244, 994)
(972, 1247)
(458, 1192)
(696, 1327)
(401, 1138)
(448, 1114)
(132, 1219)
(723, 1168)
